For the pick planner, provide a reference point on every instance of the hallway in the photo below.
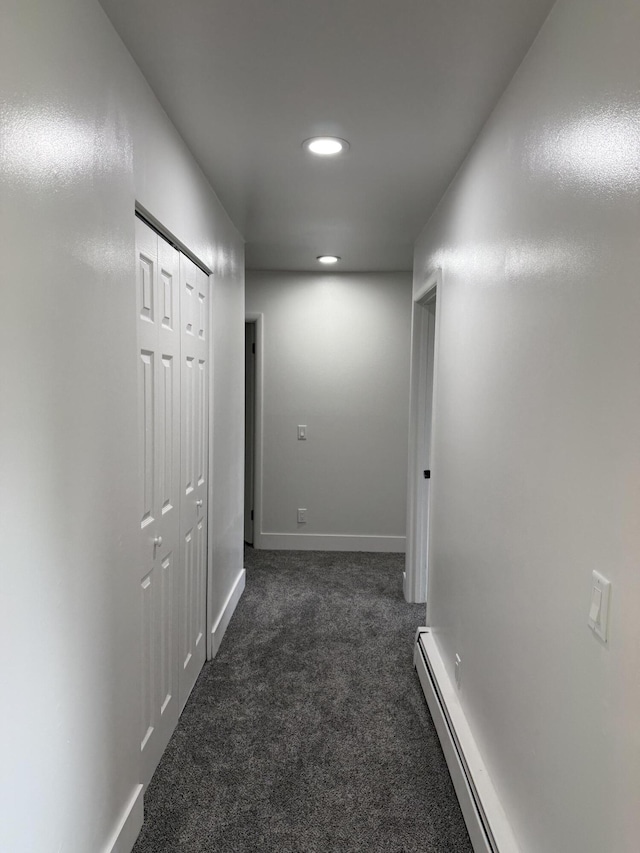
(308, 733)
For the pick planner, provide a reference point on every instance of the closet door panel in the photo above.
(157, 305)
(169, 347)
(194, 289)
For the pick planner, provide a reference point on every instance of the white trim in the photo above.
(125, 834)
(415, 581)
(434, 422)
(149, 219)
(221, 623)
(425, 293)
(329, 542)
(210, 492)
(484, 816)
(258, 319)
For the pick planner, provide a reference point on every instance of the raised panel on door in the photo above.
(169, 348)
(148, 440)
(201, 592)
(148, 722)
(167, 660)
(157, 306)
(194, 308)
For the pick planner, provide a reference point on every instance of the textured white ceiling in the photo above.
(408, 82)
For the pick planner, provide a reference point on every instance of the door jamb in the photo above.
(419, 546)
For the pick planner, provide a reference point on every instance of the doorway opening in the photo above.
(253, 337)
(424, 358)
(249, 429)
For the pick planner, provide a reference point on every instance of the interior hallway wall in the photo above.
(336, 359)
(537, 477)
(81, 138)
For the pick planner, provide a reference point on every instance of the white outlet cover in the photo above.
(598, 618)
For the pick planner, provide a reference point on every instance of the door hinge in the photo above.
(251, 515)
(427, 475)
(253, 348)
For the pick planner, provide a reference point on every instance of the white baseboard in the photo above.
(128, 829)
(329, 542)
(221, 623)
(484, 816)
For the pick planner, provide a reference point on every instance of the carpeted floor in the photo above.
(309, 732)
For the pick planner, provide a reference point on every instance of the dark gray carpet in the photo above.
(309, 732)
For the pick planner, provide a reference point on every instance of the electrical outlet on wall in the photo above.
(302, 516)
(458, 670)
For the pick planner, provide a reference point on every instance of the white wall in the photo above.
(537, 433)
(336, 358)
(82, 139)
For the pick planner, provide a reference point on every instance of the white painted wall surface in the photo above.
(226, 510)
(536, 467)
(336, 358)
(81, 138)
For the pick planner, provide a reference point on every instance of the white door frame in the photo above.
(258, 319)
(420, 499)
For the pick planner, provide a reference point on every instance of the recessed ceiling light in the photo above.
(326, 146)
(328, 259)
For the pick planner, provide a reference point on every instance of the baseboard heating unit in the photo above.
(484, 816)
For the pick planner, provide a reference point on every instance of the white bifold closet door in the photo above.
(194, 307)
(172, 495)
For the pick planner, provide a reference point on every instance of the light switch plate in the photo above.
(599, 606)
(302, 432)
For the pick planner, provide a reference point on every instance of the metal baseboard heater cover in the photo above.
(487, 824)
